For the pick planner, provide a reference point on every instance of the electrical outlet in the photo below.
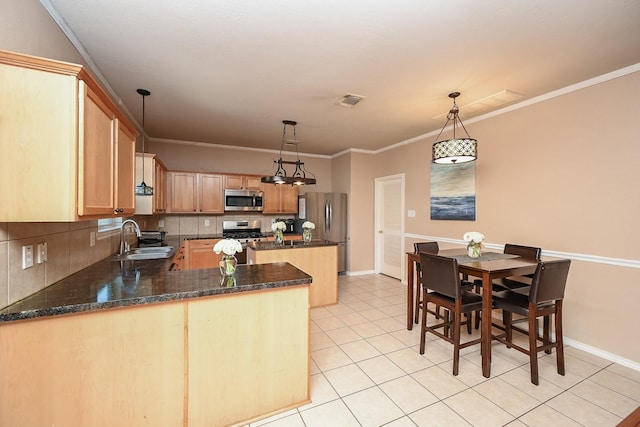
(206, 222)
(42, 253)
(161, 223)
(27, 256)
(92, 239)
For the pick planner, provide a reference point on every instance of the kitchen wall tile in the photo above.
(23, 230)
(171, 225)
(58, 254)
(4, 274)
(82, 224)
(4, 233)
(103, 247)
(188, 225)
(23, 283)
(79, 255)
(212, 228)
(56, 227)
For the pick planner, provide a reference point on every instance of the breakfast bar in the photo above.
(132, 343)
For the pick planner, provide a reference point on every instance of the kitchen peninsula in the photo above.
(132, 343)
(318, 258)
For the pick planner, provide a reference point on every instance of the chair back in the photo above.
(549, 281)
(431, 247)
(523, 251)
(440, 274)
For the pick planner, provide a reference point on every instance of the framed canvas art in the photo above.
(453, 191)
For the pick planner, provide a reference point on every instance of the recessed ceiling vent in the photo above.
(350, 100)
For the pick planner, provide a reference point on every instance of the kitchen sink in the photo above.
(158, 252)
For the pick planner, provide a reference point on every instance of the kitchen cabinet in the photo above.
(191, 192)
(199, 254)
(68, 151)
(280, 199)
(155, 175)
(243, 182)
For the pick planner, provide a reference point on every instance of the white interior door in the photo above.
(390, 225)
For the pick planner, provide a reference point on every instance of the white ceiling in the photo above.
(228, 72)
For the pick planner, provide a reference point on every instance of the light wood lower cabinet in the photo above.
(199, 254)
(208, 361)
(321, 263)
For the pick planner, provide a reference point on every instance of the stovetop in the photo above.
(256, 234)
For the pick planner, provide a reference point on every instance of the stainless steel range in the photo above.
(245, 232)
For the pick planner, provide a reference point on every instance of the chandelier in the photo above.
(455, 150)
(299, 175)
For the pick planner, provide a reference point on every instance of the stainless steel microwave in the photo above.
(243, 200)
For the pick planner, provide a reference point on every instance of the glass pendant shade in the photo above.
(143, 189)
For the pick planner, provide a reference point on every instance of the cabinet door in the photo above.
(125, 171)
(233, 182)
(271, 199)
(96, 157)
(253, 182)
(201, 254)
(160, 187)
(183, 192)
(211, 193)
(289, 199)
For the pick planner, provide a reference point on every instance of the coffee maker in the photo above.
(289, 225)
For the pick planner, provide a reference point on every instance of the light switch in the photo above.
(411, 213)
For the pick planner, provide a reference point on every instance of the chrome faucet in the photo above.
(124, 246)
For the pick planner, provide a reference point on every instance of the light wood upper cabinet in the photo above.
(243, 182)
(67, 150)
(280, 198)
(155, 175)
(191, 192)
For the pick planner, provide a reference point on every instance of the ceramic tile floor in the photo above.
(366, 371)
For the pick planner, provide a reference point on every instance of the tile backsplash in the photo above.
(69, 249)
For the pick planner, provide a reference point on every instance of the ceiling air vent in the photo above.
(350, 100)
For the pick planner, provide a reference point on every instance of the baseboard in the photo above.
(603, 354)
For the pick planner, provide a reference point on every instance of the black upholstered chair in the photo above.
(544, 299)
(441, 286)
(430, 247)
(513, 282)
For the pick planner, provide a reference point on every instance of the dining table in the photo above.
(489, 267)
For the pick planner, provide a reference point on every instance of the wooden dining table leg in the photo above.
(410, 273)
(487, 286)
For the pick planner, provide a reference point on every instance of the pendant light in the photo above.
(299, 176)
(455, 150)
(143, 189)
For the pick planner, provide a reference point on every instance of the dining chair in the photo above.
(430, 247)
(513, 282)
(441, 286)
(543, 300)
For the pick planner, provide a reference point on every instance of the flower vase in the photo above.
(278, 236)
(473, 250)
(228, 265)
(306, 235)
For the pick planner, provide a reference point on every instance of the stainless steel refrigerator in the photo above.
(328, 211)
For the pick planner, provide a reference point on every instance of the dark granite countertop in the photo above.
(289, 244)
(109, 284)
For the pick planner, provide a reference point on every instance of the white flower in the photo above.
(228, 246)
(473, 237)
(309, 225)
(278, 226)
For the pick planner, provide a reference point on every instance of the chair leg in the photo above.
(416, 308)
(559, 340)
(423, 331)
(507, 319)
(533, 345)
(456, 342)
(469, 317)
(546, 336)
(437, 310)
(446, 321)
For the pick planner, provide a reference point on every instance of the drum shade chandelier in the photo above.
(455, 150)
(143, 189)
(299, 176)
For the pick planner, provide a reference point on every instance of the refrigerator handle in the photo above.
(327, 221)
(330, 215)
